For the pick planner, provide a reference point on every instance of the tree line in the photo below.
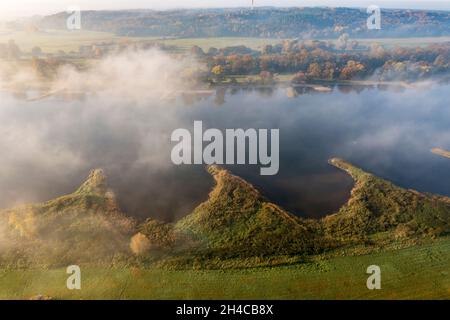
(325, 60)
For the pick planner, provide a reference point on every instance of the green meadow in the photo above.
(419, 272)
(55, 40)
(258, 43)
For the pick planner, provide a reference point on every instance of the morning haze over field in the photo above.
(87, 179)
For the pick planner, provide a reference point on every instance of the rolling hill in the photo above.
(235, 227)
(85, 226)
(236, 221)
(377, 206)
(264, 22)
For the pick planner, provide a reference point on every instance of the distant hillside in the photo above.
(261, 22)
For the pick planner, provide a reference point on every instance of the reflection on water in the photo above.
(49, 145)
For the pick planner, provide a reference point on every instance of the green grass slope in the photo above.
(419, 272)
(236, 227)
(236, 221)
(378, 207)
(86, 225)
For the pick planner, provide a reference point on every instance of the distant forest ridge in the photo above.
(266, 22)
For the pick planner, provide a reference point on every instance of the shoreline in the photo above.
(319, 86)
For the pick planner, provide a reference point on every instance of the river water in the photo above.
(49, 145)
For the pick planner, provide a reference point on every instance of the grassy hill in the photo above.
(235, 227)
(403, 231)
(236, 221)
(378, 207)
(86, 225)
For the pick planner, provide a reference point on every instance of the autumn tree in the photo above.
(299, 77)
(266, 77)
(328, 71)
(218, 72)
(351, 70)
(314, 71)
(197, 51)
(267, 49)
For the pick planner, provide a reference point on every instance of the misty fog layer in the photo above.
(133, 103)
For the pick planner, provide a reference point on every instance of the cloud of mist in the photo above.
(132, 75)
(119, 116)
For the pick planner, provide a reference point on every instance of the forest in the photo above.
(263, 22)
(304, 61)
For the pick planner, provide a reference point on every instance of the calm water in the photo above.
(49, 146)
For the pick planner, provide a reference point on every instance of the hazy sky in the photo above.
(17, 8)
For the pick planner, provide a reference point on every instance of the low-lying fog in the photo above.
(124, 125)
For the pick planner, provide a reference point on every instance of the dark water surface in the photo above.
(49, 146)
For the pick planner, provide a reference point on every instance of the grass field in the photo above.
(258, 43)
(206, 43)
(55, 40)
(405, 42)
(420, 272)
